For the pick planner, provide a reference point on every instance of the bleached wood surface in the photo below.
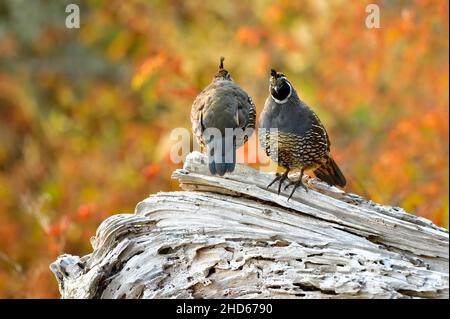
(230, 237)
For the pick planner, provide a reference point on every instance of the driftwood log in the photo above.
(230, 237)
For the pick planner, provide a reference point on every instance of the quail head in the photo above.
(293, 136)
(223, 118)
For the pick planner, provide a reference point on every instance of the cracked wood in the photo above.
(230, 237)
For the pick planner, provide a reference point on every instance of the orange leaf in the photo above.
(151, 170)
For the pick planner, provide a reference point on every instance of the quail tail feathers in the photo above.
(330, 173)
(221, 157)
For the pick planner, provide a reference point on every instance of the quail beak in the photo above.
(273, 85)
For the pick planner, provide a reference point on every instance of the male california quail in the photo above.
(223, 118)
(297, 141)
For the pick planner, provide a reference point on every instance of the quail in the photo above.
(222, 107)
(293, 136)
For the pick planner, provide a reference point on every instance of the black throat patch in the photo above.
(282, 91)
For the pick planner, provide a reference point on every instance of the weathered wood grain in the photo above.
(230, 237)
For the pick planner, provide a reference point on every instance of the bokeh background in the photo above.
(85, 114)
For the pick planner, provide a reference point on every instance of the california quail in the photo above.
(298, 140)
(222, 107)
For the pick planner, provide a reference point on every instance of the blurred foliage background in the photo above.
(85, 114)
